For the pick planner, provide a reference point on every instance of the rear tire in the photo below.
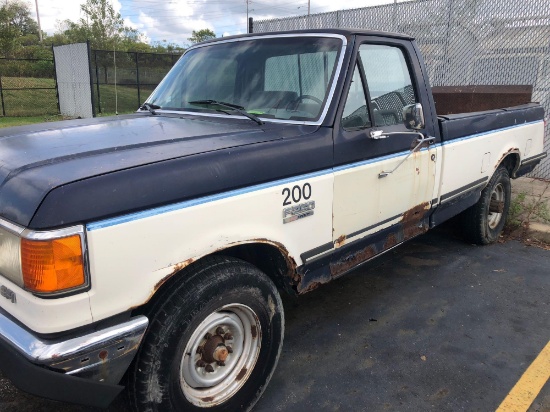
(213, 344)
(479, 224)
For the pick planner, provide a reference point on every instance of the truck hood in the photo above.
(35, 160)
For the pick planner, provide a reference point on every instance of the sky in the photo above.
(172, 21)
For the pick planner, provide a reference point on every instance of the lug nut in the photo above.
(219, 330)
(209, 368)
(229, 349)
(220, 363)
(207, 336)
(228, 336)
(200, 363)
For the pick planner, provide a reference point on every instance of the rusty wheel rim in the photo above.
(494, 218)
(220, 355)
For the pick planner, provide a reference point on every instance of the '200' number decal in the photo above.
(296, 194)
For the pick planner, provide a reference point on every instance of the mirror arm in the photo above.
(421, 140)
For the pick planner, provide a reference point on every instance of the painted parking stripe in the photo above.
(530, 384)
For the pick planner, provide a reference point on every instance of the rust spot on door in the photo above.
(340, 241)
(413, 224)
(416, 213)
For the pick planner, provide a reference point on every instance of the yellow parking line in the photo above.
(530, 384)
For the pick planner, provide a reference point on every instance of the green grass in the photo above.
(28, 100)
(26, 82)
(20, 121)
(127, 98)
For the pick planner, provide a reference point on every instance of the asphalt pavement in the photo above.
(435, 324)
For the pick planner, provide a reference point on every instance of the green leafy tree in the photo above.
(201, 35)
(102, 25)
(16, 27)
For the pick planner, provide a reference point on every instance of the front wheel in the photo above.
(213, 344)
(483, 222)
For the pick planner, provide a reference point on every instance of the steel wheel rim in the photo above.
(493, 218)
(204, 388)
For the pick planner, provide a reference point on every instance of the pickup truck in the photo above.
(148, 250)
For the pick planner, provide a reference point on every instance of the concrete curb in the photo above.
(539, 231)
(535, 190)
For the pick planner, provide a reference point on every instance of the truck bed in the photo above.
(455, 126)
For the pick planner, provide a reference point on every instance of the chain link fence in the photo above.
(123, 80)
(28, 87)
(464, 42)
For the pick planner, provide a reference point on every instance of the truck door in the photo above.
(383, 189)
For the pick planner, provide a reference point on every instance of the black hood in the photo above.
(39, 160)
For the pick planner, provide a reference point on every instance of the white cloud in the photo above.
(174, 20)
(52, 11)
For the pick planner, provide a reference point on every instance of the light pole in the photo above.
(38, 20)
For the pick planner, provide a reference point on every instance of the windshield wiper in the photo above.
(237, 108)
(150, 107)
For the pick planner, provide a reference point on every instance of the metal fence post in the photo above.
(55, 81)
(137, 78)
(250, 25)
(91, 77)
(2, 98)
(97, 83)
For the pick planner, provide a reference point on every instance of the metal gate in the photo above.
(72, 63)
(464, 42)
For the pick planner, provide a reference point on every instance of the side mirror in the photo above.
(413, 116)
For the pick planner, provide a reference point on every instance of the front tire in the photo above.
(213, 344)
(483, 222)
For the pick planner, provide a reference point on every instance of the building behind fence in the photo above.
(464, 42)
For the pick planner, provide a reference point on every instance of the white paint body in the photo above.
(130, 255)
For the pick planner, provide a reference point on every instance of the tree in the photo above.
(16, 23)
(102, 25)
(201, 35)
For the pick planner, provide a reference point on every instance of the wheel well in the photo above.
(270, 259)
(511, 163)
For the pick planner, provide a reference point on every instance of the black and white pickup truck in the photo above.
(149, 249)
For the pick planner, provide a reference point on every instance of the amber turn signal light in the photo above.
(52, 265)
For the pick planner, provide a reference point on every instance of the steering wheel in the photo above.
(294, 104)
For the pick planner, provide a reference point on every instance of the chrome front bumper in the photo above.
(102, 355)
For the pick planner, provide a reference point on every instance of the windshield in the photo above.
(279, 78)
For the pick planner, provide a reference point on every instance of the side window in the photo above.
(356, 113)
(389, 82)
